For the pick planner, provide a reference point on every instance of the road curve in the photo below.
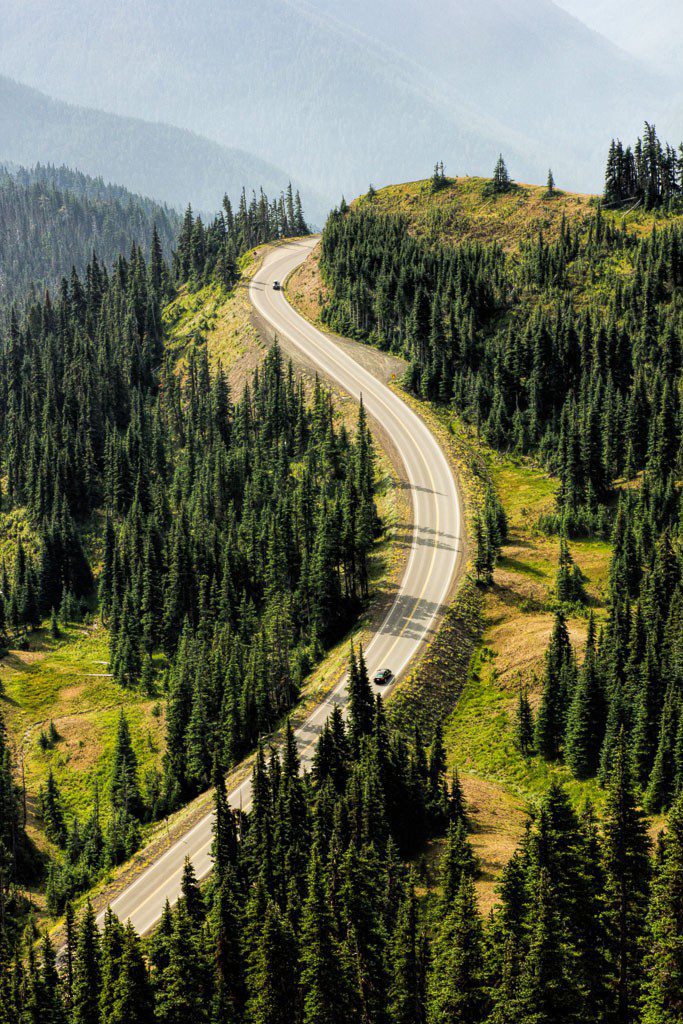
(435, 554)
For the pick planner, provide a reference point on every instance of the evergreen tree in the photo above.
(457, 989)
(132, 995)
(361, 700)
(407, 984)
(547, 993)
(552, 713)
(124, 789)
(181, 991)
(85, 1007)
(627, 867)
(274, 973)
(524, 725)
(663, 967)
(501, 179)
(458, 860)
(586, 717)
(322, 976)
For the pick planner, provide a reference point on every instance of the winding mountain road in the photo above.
(435, 556)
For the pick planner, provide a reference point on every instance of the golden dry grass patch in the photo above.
(497, 819)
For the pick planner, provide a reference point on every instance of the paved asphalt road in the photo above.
(434, 557)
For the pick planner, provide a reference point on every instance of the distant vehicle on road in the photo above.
(384, 677)
(276, 286)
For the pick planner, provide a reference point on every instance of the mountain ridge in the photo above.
(395, 85)
(158, 160)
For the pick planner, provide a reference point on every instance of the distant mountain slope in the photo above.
(342, 94)
(173, 165)
(81, 184)
(52, 219)
(652, 29)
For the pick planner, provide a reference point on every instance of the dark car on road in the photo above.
(276, 286)
(384, 677)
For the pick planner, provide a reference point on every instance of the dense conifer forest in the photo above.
(311, 916)
(229, 537)
(53, 219)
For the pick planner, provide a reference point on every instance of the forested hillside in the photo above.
(311, 915)
(223, 541)
(567, 349)
(53, 219)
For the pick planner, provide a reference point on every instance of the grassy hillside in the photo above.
(517, 622)
(66, 682)
(465, 210)
(220, 320)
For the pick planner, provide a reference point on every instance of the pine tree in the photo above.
(663, 967)
(458, 859)
(524, 725)
(551, 717)
(228, 970)
(569, 583)
(181, 992)
(86, 971)
(501, 179)
(484, 555)
(361, 700)
(438, 180)
(51, 1004)
(111, 950)
(627, 866)
(70, 953)
(124, 789)
(547, 993)
(457, 988)
(438, 792)
(586, 718)
(457, 808)
(132, 1001)
(274, 973)
(661, 787)
(322, 977)
(191, 894)
(224, 848)
(407, 983)
(53, 812)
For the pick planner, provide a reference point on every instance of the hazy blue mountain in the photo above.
(170, 164)
(341, 94)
